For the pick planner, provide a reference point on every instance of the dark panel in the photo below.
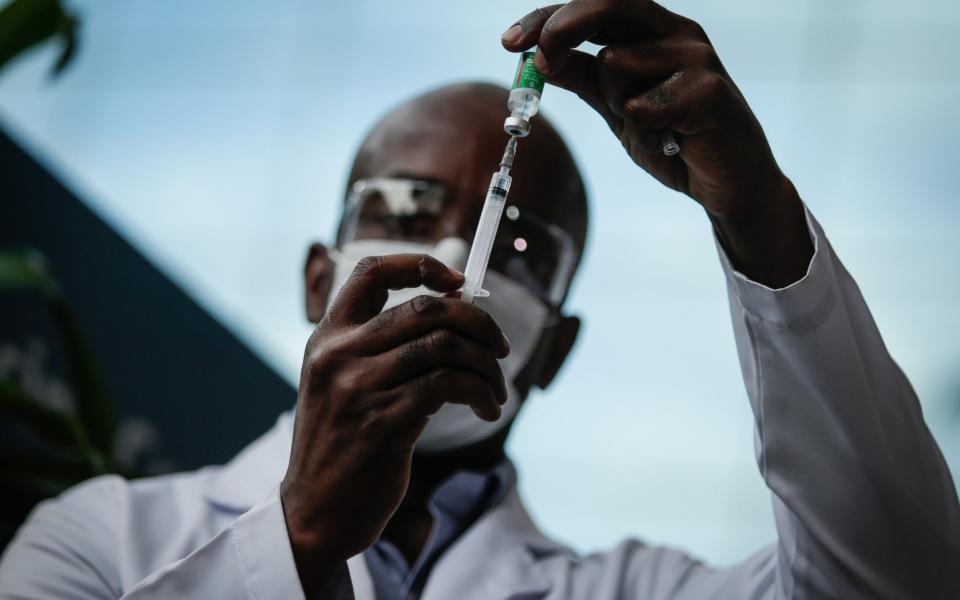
(164, 358)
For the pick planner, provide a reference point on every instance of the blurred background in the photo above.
(215, 138)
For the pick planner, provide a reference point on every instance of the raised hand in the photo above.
(370, 382)
(657, 72)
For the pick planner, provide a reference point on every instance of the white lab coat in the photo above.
(864, 504)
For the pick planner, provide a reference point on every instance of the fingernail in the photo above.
(512, 35)
(487, 414)
(506, 343)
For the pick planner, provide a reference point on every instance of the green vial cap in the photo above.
(527, 75)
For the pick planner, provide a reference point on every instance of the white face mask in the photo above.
(519, 314)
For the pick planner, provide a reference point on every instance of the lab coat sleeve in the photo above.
(864, 503)
(77, 547)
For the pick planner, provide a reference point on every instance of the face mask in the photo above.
(519, 314)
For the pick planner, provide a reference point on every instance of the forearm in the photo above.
(865, 504)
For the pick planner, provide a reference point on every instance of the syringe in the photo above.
(487, 228)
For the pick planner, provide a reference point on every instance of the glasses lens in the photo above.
(397, 209)
(536, 254)
(530, 253)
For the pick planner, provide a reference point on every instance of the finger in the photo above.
(580, 74)
(405, 410)
(583, 20)
(653, 60)
(676, 104)
(523, 34)
(427, 393)
(425, 314)
(367, 289)
(439, 348)
(673, 104)
(651, 112)
(627, 70)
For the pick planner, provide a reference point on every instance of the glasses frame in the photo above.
(566, 262)
(397, 183)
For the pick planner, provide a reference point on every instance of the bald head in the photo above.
(454, 135)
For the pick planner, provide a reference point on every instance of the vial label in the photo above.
(527, 75)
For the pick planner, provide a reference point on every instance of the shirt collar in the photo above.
(463, 492)
(252, 474)
(504, 537)
(455, 504)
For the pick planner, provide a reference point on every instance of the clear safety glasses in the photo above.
(528, 250)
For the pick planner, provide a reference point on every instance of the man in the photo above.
(396, 485)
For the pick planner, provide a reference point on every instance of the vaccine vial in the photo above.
(524, 101)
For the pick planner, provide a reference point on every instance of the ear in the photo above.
(318, 277)
(555, 345)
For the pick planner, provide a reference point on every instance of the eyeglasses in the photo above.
(539, 255)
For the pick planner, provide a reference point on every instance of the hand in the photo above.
(657, 71)
(369, 384)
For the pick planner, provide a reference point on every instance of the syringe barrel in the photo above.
(486, 233)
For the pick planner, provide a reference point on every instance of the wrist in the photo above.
(315, 557)
(768, 241)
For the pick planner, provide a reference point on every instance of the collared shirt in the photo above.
(454, 506)
(864, 503)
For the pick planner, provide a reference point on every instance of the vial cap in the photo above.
(516, 126)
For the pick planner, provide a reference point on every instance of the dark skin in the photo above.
(460, 148)
(657, 71)
(427, 140)
(371, 380)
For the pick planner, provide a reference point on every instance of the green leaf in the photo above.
(27, 270)
(26, 23)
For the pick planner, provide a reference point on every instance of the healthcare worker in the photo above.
(389, 481)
